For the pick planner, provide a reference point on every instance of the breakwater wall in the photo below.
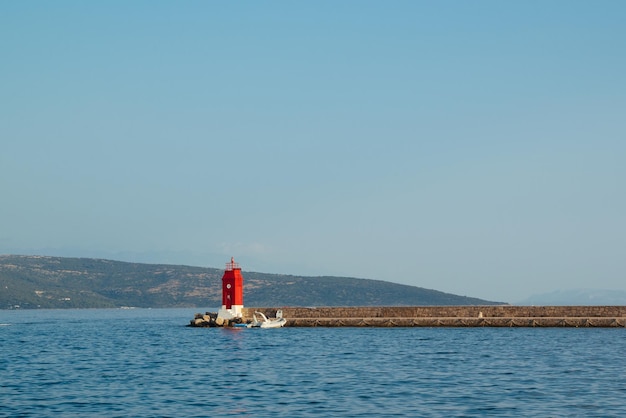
(450, 316)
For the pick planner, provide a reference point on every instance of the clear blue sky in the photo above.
(477, 148)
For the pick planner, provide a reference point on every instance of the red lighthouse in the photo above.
(232, 290)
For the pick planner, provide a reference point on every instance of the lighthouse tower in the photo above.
(232, 291)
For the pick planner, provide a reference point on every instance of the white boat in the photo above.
(266, 322)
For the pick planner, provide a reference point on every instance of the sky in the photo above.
(476, 148)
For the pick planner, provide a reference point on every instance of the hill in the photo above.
(58, 282)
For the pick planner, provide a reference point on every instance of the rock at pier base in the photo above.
(212, 320)
(207, 320)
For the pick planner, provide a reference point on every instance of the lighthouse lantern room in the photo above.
(232, 291)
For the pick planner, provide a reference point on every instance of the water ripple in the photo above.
(145, 363)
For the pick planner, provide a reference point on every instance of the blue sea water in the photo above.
(147, 363)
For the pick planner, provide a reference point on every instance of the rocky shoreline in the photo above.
(212, 320)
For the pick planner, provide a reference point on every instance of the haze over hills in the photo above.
(587, 297)
(60, 282)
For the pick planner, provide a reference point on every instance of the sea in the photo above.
(148, 363)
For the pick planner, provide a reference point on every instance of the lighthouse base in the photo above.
(233, 312)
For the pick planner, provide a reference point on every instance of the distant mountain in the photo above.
(576, 297)
(59, 282)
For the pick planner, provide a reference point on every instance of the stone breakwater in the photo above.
(211, 320)
(450, 316)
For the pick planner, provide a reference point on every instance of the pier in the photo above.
(450, 316)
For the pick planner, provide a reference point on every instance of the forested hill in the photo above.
(56, 282)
